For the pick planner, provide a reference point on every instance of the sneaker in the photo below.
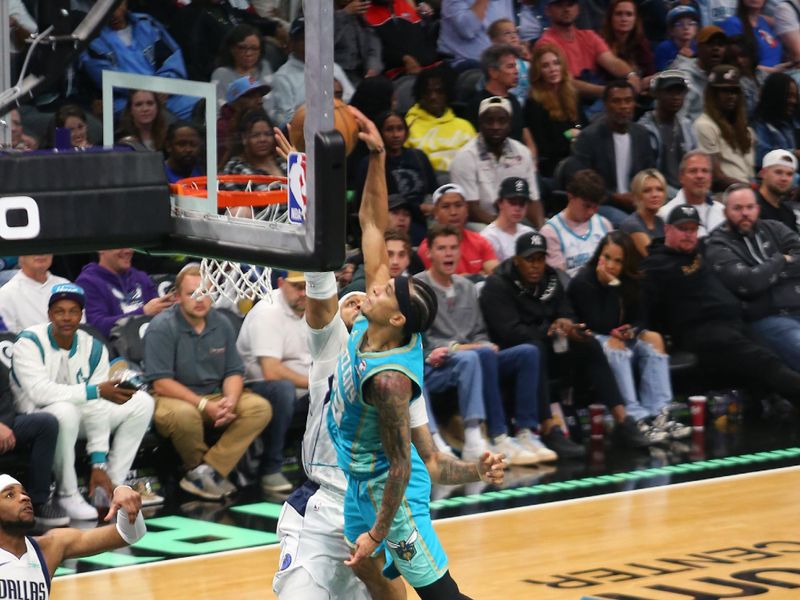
(531, 442)
(201, 482)
(651, 433)
(275, 483)
(561, 445)
(674, 429)
(50, 514)
(77, 508)
(145, 490)
(474, 452)
(228, 488)
(514, 452)
(627, 434)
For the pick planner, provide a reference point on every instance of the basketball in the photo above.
(344, 122)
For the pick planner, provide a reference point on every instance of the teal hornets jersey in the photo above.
(353, 424)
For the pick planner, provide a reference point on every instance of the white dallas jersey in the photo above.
(24, 578)
(578, 249)
(319, 454)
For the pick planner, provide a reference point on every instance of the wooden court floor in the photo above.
(735, 536)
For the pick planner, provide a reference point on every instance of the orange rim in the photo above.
(198, 187)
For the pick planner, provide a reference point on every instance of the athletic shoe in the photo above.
(227, 486)
(674, 429)
(149, 497)
(77, 508)
(50, 514)
(627, 434)
(651, 433)
(201, 481)
(515, 453)
(474, 452)
(561, 445)
(275, 483)
(531, 442)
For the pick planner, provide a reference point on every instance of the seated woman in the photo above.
(253, 153)
(72, 117)
(605, 296)
(241, 53)
(776, 121)
(750, 22)
(408, 172)
(552, 114)
(624, 33)
(649, 189)
(142, 124)
(722, 131)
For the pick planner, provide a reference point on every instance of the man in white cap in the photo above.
(62, 370)
(28, 563)
(777, 180)
(485, 161)
(759, 262)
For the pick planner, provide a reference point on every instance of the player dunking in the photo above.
(310, 527)
(27, 563)
(388, 486)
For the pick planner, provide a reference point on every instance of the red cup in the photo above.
(596, 414)
(697, 407)
(698, 451)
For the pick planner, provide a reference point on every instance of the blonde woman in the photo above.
(649, 190)
(552, 112)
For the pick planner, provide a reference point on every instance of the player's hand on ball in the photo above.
(365, 546)
(282, 145)
(368, 133)
(491, 468)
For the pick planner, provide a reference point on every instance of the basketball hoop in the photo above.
(236, 281)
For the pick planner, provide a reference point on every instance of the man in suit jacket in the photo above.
(617, 148)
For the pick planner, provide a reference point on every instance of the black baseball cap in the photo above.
(514, 187)
(398, 201)
(683, 213)
(297, 28)
(529, 244)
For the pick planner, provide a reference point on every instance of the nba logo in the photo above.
(296, 170)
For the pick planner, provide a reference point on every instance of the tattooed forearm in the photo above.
(453, 471)
(390, 392)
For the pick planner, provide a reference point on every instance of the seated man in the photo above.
(490, 157)
(573, 234)
(684, 297)
(402, 259)
(759, 262)
(274, 347)
(525, 302)
(23, 300)
(114, 289)
(459, 354)
(694, 174)
(62, 370)
(475, 253)
(196, 374)
(774, 194)
(512, 201)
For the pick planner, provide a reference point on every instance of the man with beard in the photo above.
(777, 177)
(27, 563)
(182, 146)
(759, 262)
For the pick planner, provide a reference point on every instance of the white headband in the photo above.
(6, 481)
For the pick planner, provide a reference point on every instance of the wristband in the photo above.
(201, 406)
(131, 533)
(372, 538)
(321, 286)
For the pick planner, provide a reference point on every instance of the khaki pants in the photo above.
(183, 424)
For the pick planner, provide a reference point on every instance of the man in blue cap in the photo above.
(62, 370)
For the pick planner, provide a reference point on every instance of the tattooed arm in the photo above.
(389, 392)
(446, 470)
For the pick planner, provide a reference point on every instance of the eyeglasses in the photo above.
(246, 48)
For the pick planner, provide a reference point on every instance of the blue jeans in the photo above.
(478, 375)
(781, 334)
(281, 395)
(655, 387)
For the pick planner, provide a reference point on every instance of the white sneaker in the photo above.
(515, 453)
(531, 442)
(473, 452)
(77, 508)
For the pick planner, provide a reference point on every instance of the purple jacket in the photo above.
(109, 296)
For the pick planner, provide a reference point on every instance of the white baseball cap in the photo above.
(448, 188)
(779, 158)
(495, 102)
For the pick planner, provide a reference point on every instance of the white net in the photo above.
(233, 281)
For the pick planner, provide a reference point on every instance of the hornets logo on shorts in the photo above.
(405, 550)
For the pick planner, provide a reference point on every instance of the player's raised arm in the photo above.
(374, 212)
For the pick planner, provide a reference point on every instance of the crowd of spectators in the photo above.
(586, 187)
